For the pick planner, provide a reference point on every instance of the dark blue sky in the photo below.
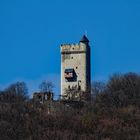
(31, 32)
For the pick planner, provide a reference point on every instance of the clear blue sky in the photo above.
(31, 32)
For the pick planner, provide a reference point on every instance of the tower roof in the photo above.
(84, 39)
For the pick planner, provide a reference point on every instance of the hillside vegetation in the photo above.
(112, 114)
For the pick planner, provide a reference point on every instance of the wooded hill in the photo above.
(112, 114)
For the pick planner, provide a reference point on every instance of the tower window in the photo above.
(76, 67)
(70, 75)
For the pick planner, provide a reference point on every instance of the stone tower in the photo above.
(75, 67)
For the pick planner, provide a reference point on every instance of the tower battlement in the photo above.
(65, 48)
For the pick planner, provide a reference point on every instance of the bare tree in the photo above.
(97, 88)
(74, 94)
(46, 86)
(17, 90)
